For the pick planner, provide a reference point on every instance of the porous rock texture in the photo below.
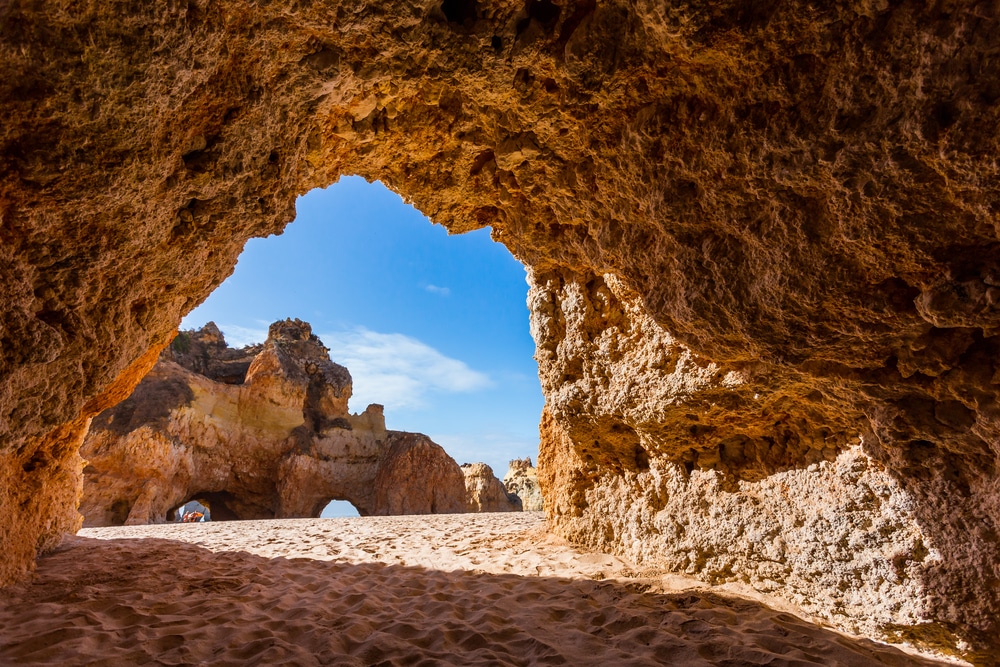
(762, 237)
(485, 493)
(522, 480)
(260, 432)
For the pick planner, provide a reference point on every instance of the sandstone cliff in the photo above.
(256, 433)
(485, 493)
(414, 476)
(763, 239)
(522, 480)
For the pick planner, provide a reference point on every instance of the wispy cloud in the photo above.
(388, 368)
(441, 291)
(237, 336)
(396, 370)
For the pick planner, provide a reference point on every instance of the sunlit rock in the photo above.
(417, 477)
(522, 480)
(485, 493)
(255, 433)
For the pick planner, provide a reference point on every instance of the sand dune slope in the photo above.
(444, 590)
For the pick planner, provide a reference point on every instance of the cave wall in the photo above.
(749, 474)
(803, 199)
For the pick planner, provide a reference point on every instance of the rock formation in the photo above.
(414, 478)
(256, 433)
(485, 493)
(762, 238)
(522, 480)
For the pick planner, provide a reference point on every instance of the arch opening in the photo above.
(337, 509)
(432, 326)
(389, 322)
(190, 511)
(211, 506)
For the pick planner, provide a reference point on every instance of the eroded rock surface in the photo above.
(256, 433)
(736, 472)
(522, 480)
(485, 493)
(800, 200)
(415, 479)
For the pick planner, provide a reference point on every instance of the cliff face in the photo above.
(256, 433)
(522, 480)
(415, 479)
(797, 203)
(485, 493)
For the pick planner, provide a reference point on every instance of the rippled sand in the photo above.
(474, 589)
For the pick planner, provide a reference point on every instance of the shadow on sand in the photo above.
(156, 601)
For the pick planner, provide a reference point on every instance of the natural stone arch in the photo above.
(337, 503)
(804, 197)
(217, 505)
(259, 432)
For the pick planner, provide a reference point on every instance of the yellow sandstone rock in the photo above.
(261, 432)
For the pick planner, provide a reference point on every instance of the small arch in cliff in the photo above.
(191, 506)
(119, 512)
(336, 509)
(219, 506)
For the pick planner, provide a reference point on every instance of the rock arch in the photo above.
(762, 239)
(339, 508)
(260, 432)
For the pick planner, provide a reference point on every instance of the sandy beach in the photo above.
(474, 589)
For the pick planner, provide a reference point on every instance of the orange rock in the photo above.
(415, 476)
(260, 432)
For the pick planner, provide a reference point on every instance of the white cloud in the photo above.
(388, 368)
(396, 370)
(237, 336)
(434, 289)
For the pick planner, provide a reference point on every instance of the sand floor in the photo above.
(474, 589)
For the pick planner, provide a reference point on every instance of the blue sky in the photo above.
(433, 326)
